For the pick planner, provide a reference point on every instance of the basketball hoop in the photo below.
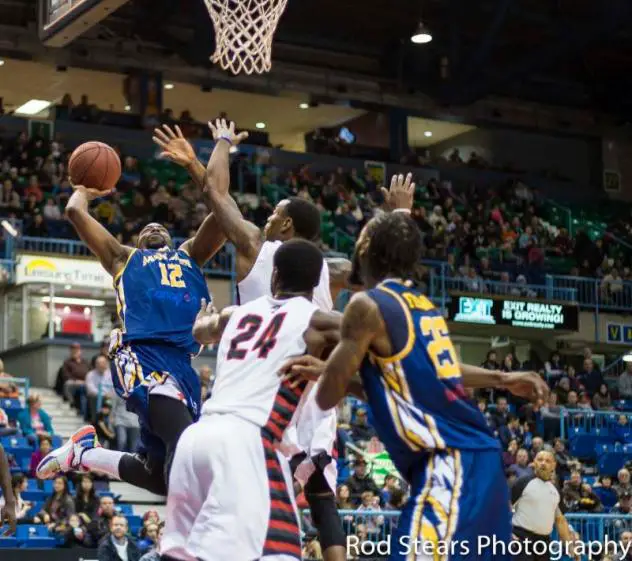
(244, 30)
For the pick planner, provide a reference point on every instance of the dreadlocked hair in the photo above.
(395, 246)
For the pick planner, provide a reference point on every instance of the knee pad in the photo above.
(326, 519)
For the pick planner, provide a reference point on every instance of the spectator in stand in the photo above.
(625, 382)
(624, 552)
(554, 367)
(551, 414)
(501, 414)
(98, 380)
(521, 468)
(361, 481)
(37, 228)
(125, 425)
(86, 500)
(343, 498)
(509, 455)
(584, 401)
(588, 501)
(7, 389)
(622, 430)
(104, 426)
(34, 421)
(491, 363)
(361, 431)
(58, 507)
(22, 507)
(571, 492)
(562, 389)
(565, 462)
(74, 533)
(623, 484)
(602, 399)
(74, 372)
(5, 428)
(573, 400)
(154, 554)
(606, 493)
(45, 446)
(511, 431)
(537, 446)
(391, 484)
(100, 525)
(370, 503)
(624, 506)
(51, 210)
(118, 546)
(148, 538)
(590, 377)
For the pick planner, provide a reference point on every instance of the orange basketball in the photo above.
(94, 165)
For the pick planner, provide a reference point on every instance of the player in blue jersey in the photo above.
(158, 289)
(415, 387)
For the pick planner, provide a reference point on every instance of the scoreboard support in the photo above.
(62, 21)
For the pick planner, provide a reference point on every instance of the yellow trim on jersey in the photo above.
(456, 495)
(417, 518)
(410, 342)
(412, 439)
(120, 273)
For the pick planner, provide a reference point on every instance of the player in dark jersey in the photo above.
(159, 290)
(414, 385)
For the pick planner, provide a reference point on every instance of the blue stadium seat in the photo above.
(28, 531)
(37, 495)
(40, 543)
(33, 484)
(12, 407)
(135, 523)
(9, 543)
(126, 510)
(16, 441)
(57, 441)
(47, 485)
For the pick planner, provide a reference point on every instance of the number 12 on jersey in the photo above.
(171, 275)
(249, 327)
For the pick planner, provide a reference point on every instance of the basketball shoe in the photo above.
(68, 457)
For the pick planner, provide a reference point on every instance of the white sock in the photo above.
(102, 461)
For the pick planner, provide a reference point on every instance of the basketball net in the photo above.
(244, 30)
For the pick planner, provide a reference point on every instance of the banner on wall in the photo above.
(87, 273)
(534, 314)
(619, 333)
(381, 466)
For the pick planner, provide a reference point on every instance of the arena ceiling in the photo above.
(575, 53)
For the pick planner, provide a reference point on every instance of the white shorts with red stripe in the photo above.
(230, 495)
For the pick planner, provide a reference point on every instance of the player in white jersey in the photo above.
(310, 440)
(230, 490)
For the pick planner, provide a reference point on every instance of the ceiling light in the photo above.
(260, 125)
(428, 134)
(73, 301)
(32, 107)
(421, 35)
(233, 150)
(128, 108)
(1, 62)
(627, 357)
(68, 286)
(303, 105)
(169, 86)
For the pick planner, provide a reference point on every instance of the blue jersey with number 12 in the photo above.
(416, 396)
(158, 296)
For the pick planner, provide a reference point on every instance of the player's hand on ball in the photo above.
(302, 368)
(174, 146)
(528, 385)
(401, 192)
(90, 194)
(226, 130)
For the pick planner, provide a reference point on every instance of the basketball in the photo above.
(95, 165)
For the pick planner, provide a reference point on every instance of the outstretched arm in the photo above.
(103, 244)
(210, 237)
(210, 324)
(361, 324)
(243, 234)
(528, 385)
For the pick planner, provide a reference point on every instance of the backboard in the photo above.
(62, 21)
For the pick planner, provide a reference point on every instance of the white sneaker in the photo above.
(68, 457)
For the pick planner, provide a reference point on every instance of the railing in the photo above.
(614, 369)
(220, 265)
(589, 421)
(23, 384)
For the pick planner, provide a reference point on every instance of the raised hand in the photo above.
(225, 130)
(207, 310)
(174, 146)
(302, 368)
(91, 194)
(401, 192)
